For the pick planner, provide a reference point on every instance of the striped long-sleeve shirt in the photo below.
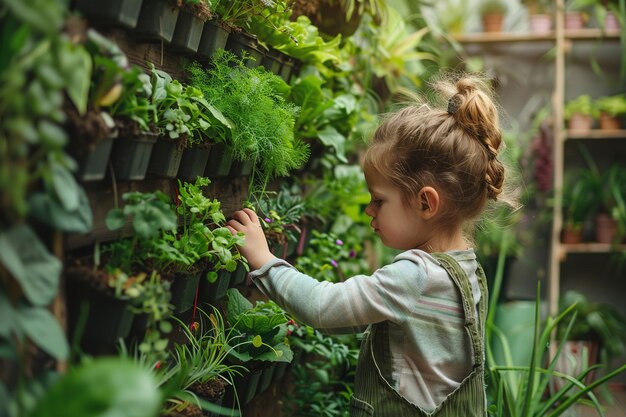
(430, 349)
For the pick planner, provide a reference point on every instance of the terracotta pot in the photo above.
(608, 122)
(493, 22)
(571, 236)
(574, 21)
(580, 123)
(605, 228)
(540, 23)
(611, 24)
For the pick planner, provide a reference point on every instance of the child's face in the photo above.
(399, 226)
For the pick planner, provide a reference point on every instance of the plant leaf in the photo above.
(44, 330)
(50, 211)
(103, 386)
(29, 262)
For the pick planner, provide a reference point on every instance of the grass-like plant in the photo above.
(518, 391)
(253, 99)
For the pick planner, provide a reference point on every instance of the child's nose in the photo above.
(369, 210)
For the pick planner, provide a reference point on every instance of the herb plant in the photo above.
(259, 332)
(263, 120)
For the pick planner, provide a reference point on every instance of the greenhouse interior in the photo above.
(160, 257)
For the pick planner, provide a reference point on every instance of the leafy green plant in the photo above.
(614, 105)
(595, 321)
(492, 6)
(203, 240)
(582, 104)
(579, 198)
(263, 120)
(182, 113)
(239, 13)
(259, 332)
(323, 382)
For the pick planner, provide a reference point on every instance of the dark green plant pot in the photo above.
(184, 288)
(188, 32)
(93, 162)
(157, 19)
(108, 319)
(220, 161)
(267, 376)
(286, 68)
(211, 292)
(193, 163)
(271, 61)
(112, 13)
(131, 156)
(238, 277)
(246, 387)
(214, 37)
(279, 371)
(241, 168)
(238, 42)
(165, 158)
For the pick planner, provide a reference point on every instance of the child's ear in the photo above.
(428, 202)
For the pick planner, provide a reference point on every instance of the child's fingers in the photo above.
(252, 215)
(242, 217)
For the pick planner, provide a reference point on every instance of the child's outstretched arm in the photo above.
(255, 248)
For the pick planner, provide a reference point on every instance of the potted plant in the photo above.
(198, 373)
(580, 113)
(611, 109)
(253, 100)
(597, 334)
(539, 15)
(609, 220)
(492, 14)
(579, 203)
(258, 336)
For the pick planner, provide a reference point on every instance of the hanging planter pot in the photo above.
(188, 32)
(123, 13)
(93, 161)
(245, 387)
(131, 156)
(210, 292)
(272, 62)
(157, 19)
(214, 37)
(238, 277)
(165, 158)
(286, 68)
(193, 163)
(241, 168)
(184, 288)
(238, 42)
(220, 161)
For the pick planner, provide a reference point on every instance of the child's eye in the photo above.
(377, 202)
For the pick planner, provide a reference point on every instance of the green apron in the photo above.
(375, 396)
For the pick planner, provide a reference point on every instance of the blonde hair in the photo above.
(453, 148)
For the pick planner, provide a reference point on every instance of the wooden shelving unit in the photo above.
(561, 40)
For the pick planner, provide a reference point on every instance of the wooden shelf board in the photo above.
(507, 37)
(591, 247)
(597, 134)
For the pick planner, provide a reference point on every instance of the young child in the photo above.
(429, 171)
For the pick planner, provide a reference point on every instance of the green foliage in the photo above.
(612, 105)
(595, 321)
(182, 112)
(492, 6)
(263, 120)
(103, 390)
(324, 381)
(239, 13)
(582, 104)
(259, 331)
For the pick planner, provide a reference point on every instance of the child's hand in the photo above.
(255, 248)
